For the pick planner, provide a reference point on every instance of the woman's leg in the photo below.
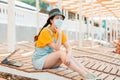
(90, 75)
(60, 56)
(78, 68)
(85, 69)
(53, 60)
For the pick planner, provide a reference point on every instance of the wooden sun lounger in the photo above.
(28, 67)
(97, 63)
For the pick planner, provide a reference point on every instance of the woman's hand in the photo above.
(67, 62)
(58, 30)
(69, 56)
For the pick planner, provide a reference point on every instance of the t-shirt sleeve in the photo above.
(64, 38)
(44, 38)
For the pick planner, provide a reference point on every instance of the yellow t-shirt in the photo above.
(45, 38)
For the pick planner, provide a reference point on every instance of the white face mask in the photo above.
(58, 23)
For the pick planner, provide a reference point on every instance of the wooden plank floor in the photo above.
(105, 66)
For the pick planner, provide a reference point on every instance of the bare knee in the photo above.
(62, 53)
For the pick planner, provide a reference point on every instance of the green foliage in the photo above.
(43, 5)
(30, 2)
(96, 24)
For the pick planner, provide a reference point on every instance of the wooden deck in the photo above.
(100, 60)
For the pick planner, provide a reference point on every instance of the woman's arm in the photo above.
(56, 45)
(68, 52)
(68, 47)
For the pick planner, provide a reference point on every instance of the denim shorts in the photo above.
(40, 56)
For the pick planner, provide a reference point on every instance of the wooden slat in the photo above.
(85, 63)
(31, 70)
(60, 69)
(88, 51)
(18, 55)
(117, 78)
(97, 73)
(72, 75)
(78, 78)
(118, 73)
(110, 77)
(53, 71)
(96, 66)
(26, 67)
(114, 69)
(108, 68)
(64, 72)
(23, 59)
(103, 76)
(67, 72)
(102, 67)
(90, 64)
(57, 70)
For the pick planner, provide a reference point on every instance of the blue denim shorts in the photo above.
(39, 63)
(40, 56)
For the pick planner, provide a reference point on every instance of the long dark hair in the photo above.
(47, 23)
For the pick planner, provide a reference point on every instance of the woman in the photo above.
(48, 42)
